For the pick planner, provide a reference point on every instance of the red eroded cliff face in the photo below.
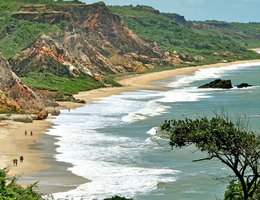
(94, 43)
(14, 95)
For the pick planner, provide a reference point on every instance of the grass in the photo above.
(68, 85)
(50, 81)
(110, 80)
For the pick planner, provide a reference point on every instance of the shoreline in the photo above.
(39, 149)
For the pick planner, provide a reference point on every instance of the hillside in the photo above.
(246, 34)
(82, 46)
(70, 46)
(173, 32)
(14, 95)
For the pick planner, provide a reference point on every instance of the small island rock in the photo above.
(244, 85)
(218, 83)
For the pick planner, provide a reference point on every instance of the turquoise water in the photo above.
(113, 142)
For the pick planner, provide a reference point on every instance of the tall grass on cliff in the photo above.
(48, 80)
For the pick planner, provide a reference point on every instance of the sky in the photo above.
(222, 10)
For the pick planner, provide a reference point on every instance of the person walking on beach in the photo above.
(21, 158)
(15, 162)
(31, 133)
(25, 133)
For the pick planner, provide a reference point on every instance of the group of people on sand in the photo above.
(25, 133)
(21, 158)
(15, 161)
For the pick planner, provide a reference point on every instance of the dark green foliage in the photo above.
(117, 198)
(10, 190)
(68, 85)
(234, 191)
(221, 139)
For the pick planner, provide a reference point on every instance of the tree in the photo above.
(231, 143)
(9, 189)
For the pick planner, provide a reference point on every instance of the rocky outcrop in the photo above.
(178, 18)
(43, 17)
(225, 54)
(25, 118)
(95, 43)
(209, 25)
(43, 114)
(218, 83)
(55, 112)
(14, 95)
(50, 97)
(244, 85)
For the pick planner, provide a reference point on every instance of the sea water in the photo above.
(113, 143)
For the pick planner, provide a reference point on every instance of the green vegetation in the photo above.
(246, 34)
(172, 32)
(169, 31)
(68, 85)
(111, 81)
(234, 191)
(10, 190)
(231, 143)
(17, 34)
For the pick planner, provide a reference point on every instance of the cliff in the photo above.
(95, 42)
(14, 95)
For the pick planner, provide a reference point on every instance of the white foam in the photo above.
(109, 179)
(110, 160)
(183, 95)
(152, 108)
(152, 131)
(203, 74)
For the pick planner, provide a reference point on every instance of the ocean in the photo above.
(113, 141)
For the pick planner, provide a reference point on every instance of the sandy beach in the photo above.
(38, 149)
(14, 143)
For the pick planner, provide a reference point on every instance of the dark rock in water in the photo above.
(218, 83)
(243, 85)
